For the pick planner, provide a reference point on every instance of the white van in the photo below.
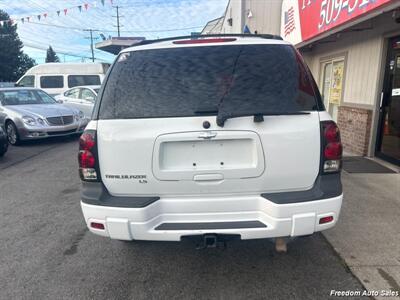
(56, 78)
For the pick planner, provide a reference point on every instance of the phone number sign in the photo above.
(318, 16)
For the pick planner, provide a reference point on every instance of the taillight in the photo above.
(87, 157)
(332, 147)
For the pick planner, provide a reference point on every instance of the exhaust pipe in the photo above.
(280, 245)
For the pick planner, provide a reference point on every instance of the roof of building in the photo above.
(116, 44)
(213, 26)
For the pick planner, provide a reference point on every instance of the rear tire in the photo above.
(3, 149)
(12, 133)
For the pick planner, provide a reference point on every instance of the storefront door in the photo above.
(332, 84)
(388, 142)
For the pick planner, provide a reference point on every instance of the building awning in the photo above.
(116, 44)
(304, 22)
(213, 26)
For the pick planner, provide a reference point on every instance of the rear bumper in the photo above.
(252, 217)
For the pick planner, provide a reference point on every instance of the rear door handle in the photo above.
(207, 135)
(208, 177)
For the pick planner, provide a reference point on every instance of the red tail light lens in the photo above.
(96, 225)
(325, 220)
(332, 147)
(331, 132)
(86, 159)
(86, 141)
(333, 150)
(88, 169)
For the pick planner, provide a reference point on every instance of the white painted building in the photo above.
(353, 52)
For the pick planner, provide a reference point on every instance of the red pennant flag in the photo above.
(65, 11)
(45, 15)
(86, 6)
(111, 1)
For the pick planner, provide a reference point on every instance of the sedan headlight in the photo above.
(79, 116)
(29, 120)
(40, 121)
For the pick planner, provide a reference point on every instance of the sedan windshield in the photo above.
(25, 97)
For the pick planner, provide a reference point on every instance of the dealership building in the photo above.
(352, 48)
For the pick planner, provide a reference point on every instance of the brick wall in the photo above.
(355, 127)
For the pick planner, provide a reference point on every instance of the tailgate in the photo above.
(146, 157)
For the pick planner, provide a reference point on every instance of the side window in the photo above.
(88, 95)
(27, 81)
(51, 82)
(76, 80)
(74, 93)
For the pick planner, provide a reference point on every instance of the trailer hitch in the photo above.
(211, 240)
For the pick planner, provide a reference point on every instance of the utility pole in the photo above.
(91, 40)
(118, 16)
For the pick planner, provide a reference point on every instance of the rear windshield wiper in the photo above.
(259, 116)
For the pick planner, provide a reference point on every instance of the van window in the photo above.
(27, 81)
(51, 82)
(77, 80)
(226, 81)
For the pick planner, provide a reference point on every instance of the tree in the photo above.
(25, 63)
(10, 49)
(51, 56)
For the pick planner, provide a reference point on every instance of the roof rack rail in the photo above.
(263, 36)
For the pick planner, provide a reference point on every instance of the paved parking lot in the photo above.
(47, 253)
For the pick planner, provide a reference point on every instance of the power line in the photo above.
(28, 45)
(128, 31)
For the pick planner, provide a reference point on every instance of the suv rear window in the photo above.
(229, 81)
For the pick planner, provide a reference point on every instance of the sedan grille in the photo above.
(63, 120)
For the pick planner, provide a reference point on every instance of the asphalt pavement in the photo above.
(46, 252)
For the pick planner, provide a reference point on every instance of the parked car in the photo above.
(80, 97)
(29, 113)
(56, 78)
(212, 137)
(3, 142)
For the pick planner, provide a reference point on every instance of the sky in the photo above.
(65, 33)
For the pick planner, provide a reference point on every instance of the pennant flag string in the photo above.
(84, 5)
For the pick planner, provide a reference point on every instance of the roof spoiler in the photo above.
(193, 37)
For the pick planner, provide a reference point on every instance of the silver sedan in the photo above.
(29, 113)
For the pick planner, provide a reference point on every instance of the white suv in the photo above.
(213, 136)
